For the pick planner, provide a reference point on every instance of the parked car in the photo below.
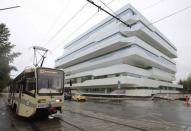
(78, 97)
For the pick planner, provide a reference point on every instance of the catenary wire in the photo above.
(71, 34)
(166, 17)
(79, 27)
(7, 8)
(112, 11)
(64, 25)
(145, 9)
(108, 7)
(176, 12)
(68, 22)
(152, 5)
(163, 18)
(57, 18)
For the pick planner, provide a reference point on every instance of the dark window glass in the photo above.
(30, 85)
(42, 85)
(50, 81)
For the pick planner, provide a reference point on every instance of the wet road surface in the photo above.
(128, 115)
(5, 118)
(173, 112)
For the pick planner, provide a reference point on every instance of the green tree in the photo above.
(186, 84)
(6, 56)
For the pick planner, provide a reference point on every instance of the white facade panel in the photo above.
(124, 68)
(132, 56)
(126, 81)
(151, 38)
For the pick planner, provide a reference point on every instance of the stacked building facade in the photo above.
(112, 58)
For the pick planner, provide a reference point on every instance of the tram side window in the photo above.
(11, 89)
(30, 85)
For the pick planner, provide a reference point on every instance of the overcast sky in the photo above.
(36, 21)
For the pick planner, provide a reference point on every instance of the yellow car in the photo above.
(78, 98)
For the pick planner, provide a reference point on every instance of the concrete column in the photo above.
(105, 90)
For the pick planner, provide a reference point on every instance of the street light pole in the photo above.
(2, 9)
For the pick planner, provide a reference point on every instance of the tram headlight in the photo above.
(58, 100)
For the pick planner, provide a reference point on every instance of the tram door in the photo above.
(13, 94)
(26, 100)
(20, 88)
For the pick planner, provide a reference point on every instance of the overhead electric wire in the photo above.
(108, 7)
(111, 10)
(77, 29)
(54, 23)
(58, 17)
(105, 5)
(176, 12)
(161, 19)
(71, 34)
(9, 8)
(104, 10)
(152, 5)
(68, 22)
(65, 25)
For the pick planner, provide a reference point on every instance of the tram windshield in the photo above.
(50, 81)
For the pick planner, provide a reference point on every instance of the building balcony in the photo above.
(151, 37)
(126, 81)
(123, 69)
(104, 46)
(132, 55)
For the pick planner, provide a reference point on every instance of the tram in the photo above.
(37, 90)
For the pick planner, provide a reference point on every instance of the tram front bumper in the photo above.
(50, 108)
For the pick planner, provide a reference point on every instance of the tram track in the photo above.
(163, 125)
(110, 121)
(51, 127)
(78, 127)
(45, 125)
(68, 125)
(65, 123)
(33, 126)
(69, 122)
(30, 124)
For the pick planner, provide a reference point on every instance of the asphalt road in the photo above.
(172, 112)
(5, 117)
(95, 115)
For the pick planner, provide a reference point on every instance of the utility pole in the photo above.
(99, 7)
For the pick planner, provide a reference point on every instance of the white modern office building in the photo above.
(112, 58)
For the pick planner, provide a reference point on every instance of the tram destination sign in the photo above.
(48, 72)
